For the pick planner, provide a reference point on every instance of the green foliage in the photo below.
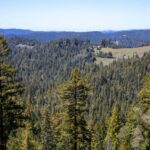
(104, 55)
(10, 102)
(43, 66)
(23, 140)
(74, 94)
(98, 134)
(48, 64)
(113, 129)
(3, 47)
(47, 137)
(144, 94)
(138, 122)
(30, 141)
(15, 142)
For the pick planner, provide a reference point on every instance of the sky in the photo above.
(75, 15)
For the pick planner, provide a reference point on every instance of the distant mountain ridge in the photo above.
(15, 31)
(50, 35)
(128, 38)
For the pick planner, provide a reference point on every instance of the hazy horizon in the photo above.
(109, 30)
(75, 15)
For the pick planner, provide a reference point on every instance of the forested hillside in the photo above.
(70, 102)
(131, 38)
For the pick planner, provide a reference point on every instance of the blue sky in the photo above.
(75, 15)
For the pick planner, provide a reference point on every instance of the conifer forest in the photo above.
(74, 89)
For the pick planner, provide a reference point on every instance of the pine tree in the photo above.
(112, 140)
(144, 94)
(11, 109)
(30, 142)
(47, 137)
(74, 94)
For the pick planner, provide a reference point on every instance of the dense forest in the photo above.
(54, 96)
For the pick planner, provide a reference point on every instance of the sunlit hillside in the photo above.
(119, 54)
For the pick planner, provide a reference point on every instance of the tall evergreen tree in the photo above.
(10, 102)
(112, 140)
(30, 142)
(74, 94)
(47, 137)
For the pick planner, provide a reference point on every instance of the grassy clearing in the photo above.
(121, 53)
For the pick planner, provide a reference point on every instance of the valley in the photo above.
(105, 86)
(74, 75)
